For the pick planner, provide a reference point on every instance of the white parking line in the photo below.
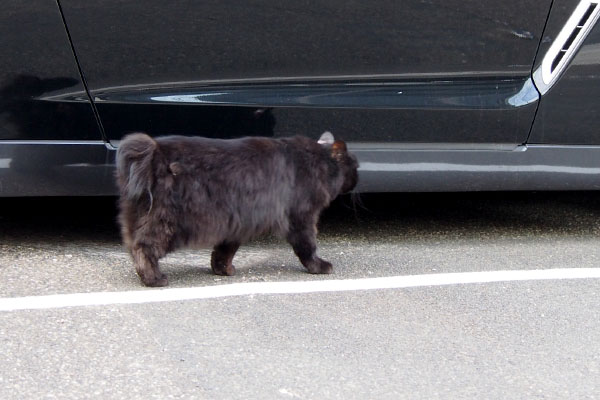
(258, 288)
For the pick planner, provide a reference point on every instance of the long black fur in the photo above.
(196, 192)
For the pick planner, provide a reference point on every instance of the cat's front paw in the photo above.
(224, 270)
(320, 267)
(156, 281)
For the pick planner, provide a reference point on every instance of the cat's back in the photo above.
(244, 165)
(202, 146)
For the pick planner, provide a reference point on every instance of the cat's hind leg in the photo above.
(222, 257)
(146, 266)
(302, 235)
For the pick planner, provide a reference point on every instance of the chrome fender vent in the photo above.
(566, 44)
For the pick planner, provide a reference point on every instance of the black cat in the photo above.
(181, 191)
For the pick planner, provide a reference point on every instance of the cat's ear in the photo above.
(338, 149)
(339, 146)
(326, 139)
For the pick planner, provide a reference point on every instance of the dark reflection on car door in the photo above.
(37, 72)
(50, 142)
(430, 71)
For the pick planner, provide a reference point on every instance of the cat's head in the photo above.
(345, 160)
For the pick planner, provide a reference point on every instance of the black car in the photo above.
(431, 95)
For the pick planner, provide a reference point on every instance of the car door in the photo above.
(48, 131)
(380, 71)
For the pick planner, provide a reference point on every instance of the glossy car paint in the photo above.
(37, 69)
(433, 96)
(368, 71)
(231, 40)
(48, 146)
(468, 168)
(56, 168)
(569, 111)
(479, 111)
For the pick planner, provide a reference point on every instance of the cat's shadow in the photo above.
(197, 275)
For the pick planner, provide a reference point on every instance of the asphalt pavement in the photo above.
(531, 338)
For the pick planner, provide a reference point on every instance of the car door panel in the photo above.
(50, 141)
(38, 73)
(416, 71)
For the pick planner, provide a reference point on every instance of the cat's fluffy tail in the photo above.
(134, 165)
